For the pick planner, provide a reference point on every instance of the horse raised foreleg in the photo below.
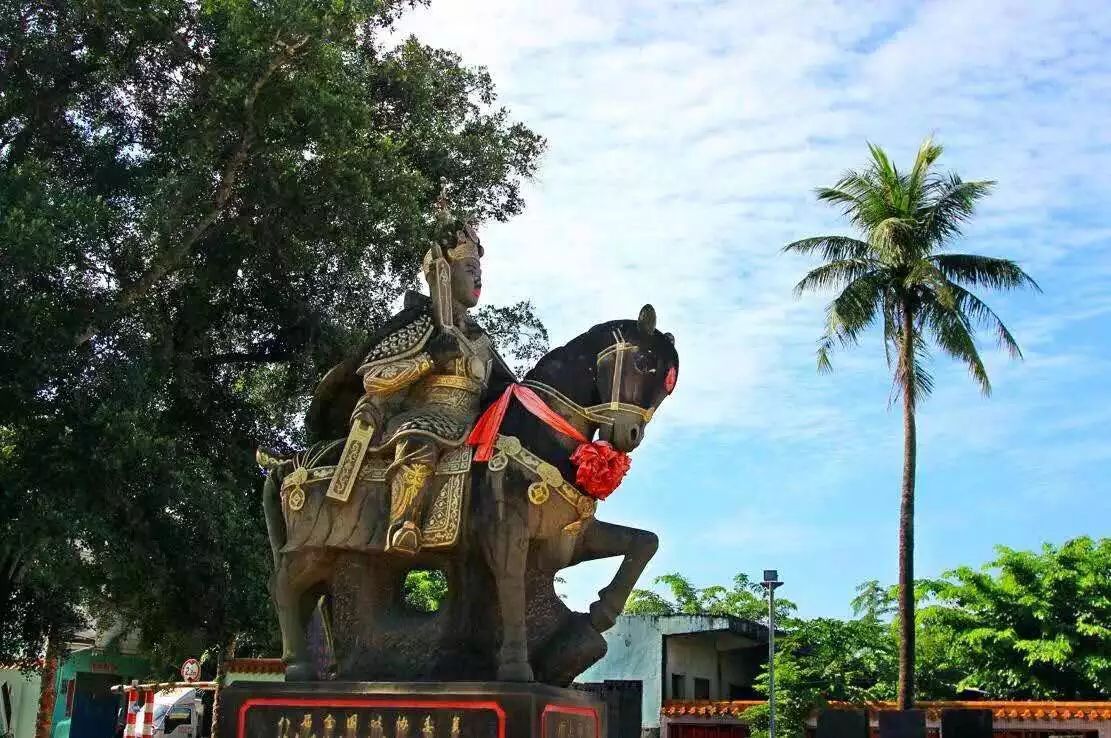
(602, 540)
(505, 546)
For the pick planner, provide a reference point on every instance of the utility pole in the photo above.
(770, 583)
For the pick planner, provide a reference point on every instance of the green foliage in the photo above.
(205, 205)
(425, 589)
(1030, 625)
(744, 599)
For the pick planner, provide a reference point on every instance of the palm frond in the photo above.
(952, 332)
(863, 197)
(882, 165)
(925, 276)
(928, 153)
(831, 248)
(890, 237)
(979, 314)
(890, 328)
(951, 203)
(984, 271)
(834, 274)
(850, 314)
(921, 381)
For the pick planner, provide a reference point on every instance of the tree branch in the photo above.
(171, 259)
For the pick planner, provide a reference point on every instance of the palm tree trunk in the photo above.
(47, 691)
(906, 520)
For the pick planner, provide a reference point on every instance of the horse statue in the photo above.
(512, 517)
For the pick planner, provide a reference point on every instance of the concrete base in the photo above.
(407, 710)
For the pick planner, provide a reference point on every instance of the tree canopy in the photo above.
(1030, 624)
(205, 205)
(1026, 625)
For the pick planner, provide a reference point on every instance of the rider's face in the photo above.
(466, 281)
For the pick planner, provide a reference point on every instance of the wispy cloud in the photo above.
(686, 139)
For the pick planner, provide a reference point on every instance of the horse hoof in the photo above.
(518, 672)
(299, 672)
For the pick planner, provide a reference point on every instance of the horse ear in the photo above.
(670, 337)
(646, 321)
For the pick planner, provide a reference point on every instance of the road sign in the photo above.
(191, 670)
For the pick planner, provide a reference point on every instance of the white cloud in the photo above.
(686, 139)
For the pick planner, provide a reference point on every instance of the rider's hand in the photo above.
(368, 412)
(443, 347)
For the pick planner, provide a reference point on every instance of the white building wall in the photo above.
(25, 701)
(693, 658)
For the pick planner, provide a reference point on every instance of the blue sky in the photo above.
(686, 138)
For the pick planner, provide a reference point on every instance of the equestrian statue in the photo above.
(428, 453)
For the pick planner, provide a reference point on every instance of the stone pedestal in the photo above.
(408, 710)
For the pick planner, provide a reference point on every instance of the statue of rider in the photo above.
(425, 378)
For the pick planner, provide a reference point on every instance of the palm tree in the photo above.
(899, 275)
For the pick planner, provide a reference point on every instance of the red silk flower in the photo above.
(599, 468)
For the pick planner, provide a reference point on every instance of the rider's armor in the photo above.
(436, 413)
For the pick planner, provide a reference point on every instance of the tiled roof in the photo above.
(254, 666)
(1001, 710)
(708, 708)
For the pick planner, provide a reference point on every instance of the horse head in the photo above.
(614, 376)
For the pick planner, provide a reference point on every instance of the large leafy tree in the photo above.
(205, 205)
(1030, 624)
(897, 272)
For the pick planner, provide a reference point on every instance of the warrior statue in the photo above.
(427, 452)
(424, 379)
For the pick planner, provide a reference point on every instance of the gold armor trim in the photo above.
(347, 470)
(454, 382)
(444, 518)
(387, 378)
(412, 478)
(550, 480)
(293, 490)
(538, 493)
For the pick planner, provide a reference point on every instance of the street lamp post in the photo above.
(770, 583)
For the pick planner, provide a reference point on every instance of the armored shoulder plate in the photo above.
(401, 342)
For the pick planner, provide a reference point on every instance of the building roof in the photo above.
(691, 624)
(1001, 710)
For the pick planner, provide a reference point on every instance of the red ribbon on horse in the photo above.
(599, 467)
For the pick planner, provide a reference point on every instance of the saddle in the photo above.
(313, 520)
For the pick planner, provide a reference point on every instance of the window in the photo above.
(677, 684)
(737, 692)
(701, 688)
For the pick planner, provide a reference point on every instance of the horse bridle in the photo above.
(606, 413)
